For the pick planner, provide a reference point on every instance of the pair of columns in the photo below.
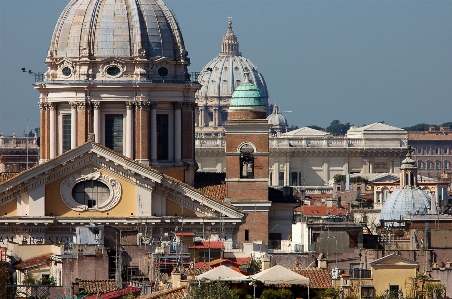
(202, 116)
(79, 119)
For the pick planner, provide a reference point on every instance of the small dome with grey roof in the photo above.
(408, 198)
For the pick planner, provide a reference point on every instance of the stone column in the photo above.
(391, 166)
(81, 123)
(153, 106)
(73, 124)
(53, 130)
(371, 167)
(215, 117)
(178, 132)
(287, 172)
(201, 121)
(326, 171)
(129, 130)
(142, 132)
(42, 153)
(96, 120)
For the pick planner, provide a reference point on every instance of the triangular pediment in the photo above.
(96, 156)
(306, 132)
(393, 260)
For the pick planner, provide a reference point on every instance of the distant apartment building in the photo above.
(432, 151)
(18, 153)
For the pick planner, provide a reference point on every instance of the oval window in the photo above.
(91, 193)
(66, 71)
(113, 70)
(163, 71)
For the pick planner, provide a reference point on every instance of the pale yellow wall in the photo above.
(10, 209)
(172, 209)
(386, 275)
(56, 207)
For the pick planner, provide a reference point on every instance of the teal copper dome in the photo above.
(247, 94)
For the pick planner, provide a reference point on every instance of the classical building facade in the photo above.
(432, 151)
(18, 153)
(309, 159)
(218, 79)
(117, 75)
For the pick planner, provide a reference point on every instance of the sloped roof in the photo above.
(280, 275)
(8, 192)
(321, 210)
(97, 286)
(33, 262)
(220, 273)
(318, 278)
(385, 260)
(208, 244)
(306, 131)
(176, 293)
(380, 127)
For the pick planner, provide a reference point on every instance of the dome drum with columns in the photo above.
(117, 75)
(219, 78)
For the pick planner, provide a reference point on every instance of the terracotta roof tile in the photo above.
(97, 286)
(117, 294)
(33, 262)
(185, 234)
(318, 278)
(208, 244)
(176, 293)
(321, 210)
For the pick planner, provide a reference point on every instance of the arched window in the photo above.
(446, 165)
(384, 194)
(429, 165)
(247, 161)
(438, 164)
(420, 164)
(438, 151)
(446, 151)
(419, 150)
(430, 151)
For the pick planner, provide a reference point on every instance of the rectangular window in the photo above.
(281, 179)
(162, 136)
(294, 179)
(247, 234)
(66, 132)
(114, 132)
(393, 291)
(271, 179)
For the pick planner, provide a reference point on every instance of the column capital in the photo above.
(129, 105)
(178, 105)
(82, 105)
(42, 105)
(95, 104)
(142, 105)
(52, 106)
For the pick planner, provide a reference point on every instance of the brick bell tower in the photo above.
(247, 155)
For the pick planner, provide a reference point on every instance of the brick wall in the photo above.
(257, 225)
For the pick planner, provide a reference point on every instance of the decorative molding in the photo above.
(90, 174)
(129, 105)
(142, 105)
(95, 104)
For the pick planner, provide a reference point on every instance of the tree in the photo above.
(277, 294)
(29, 278)
(336, 128)
(448, 124)
(202, 289)
(420, 127)
(4, 279)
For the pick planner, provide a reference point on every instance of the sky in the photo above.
(352, 60)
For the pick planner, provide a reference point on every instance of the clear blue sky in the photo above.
(356, 61)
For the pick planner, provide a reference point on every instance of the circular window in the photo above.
(66, 71)
(91, 193)
(163, 71)
(113, 70)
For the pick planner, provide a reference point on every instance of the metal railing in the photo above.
(28, 291)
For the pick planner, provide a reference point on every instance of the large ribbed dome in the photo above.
(224, 73)
(117, 28)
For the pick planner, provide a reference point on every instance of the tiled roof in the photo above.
(96, 286)
(176, 293)
(208, 244)
(420, 136)
(33, 262)
(241, 260)
(318, 278)
(117, 294)
(184, 234)
(321, 210)
(211, 184)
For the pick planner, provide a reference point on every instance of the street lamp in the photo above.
(253, 283)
